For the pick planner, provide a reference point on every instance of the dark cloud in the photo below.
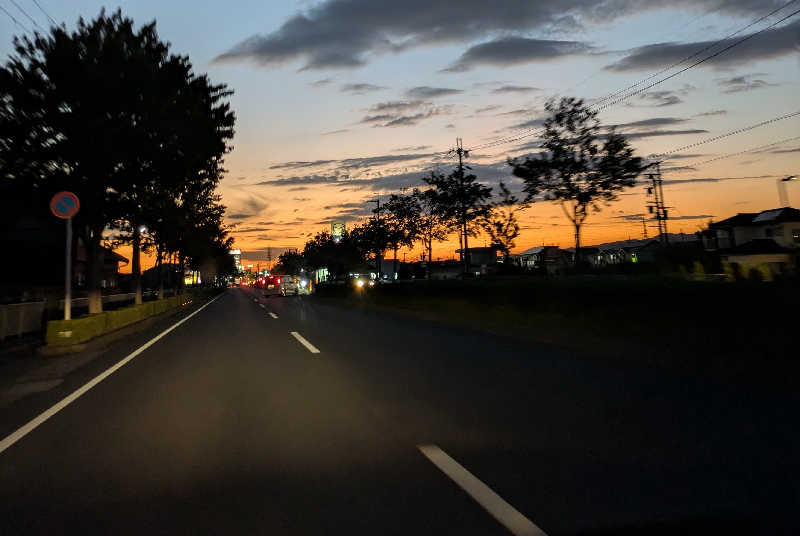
(416, 148)
(403, 113)
(302, 199)
(247, 207)
(308, 179)
(655, 133)
(360, 89)
(519, 111)
(298, 165)
(785, 151)
(638, 217)
(653, 122)
(684, 156)
(321, 83)
(712, 113)
(514, 89)
(747, 82)
(508, 51)
(349, 33)
(714, 179)
(449, 125)
(777, 42)
(332, 132)
(489, 108)
(427, 92)
(398, 106)
(531, 123)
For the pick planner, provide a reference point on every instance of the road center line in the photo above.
(273, 315)
(311, 348)
(34, 423)
(507, 515)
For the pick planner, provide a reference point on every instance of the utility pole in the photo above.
(269, 258)
(644, 228)
(377, 254)
(657, 206)
(462, 153)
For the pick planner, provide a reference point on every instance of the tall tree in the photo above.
(107, 112)
(581, 165)
(459, 198)
(432, 226)
(501, 222)
(402, 215)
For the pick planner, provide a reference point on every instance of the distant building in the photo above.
(486, 256)
(753, 239)
(552, 259)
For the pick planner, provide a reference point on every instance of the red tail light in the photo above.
(278, 281)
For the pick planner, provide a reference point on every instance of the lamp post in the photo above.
(783, 196)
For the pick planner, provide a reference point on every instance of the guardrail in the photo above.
(113, 298)
(20, 318)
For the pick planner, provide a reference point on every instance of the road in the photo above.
(373, 423)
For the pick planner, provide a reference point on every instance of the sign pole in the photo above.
(68, 278)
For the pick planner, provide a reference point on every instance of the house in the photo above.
(550, 258)
(780, 224)
(770, 239)
(479, 257)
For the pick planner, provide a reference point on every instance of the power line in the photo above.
(731, 133)
(26, 14)
(694, 55)
(695, 64)
(18, 23)
(46, 14)
(529, 132)
(731, 155)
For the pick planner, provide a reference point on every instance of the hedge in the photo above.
(79, 330)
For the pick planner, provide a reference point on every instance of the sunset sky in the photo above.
(338, 102)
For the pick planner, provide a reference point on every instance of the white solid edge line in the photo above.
(31, 425)
(503, 512)
(273, 315)
(311, 348)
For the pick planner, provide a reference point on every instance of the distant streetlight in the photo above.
(783, 196)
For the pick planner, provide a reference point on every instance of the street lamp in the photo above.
(783, 196)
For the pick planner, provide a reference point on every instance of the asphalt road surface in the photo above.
(289, 416)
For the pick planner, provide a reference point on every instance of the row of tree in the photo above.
(581, 166)
(109, 113)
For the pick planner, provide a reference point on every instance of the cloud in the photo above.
(714, 179)
(712, 113)
(414, 148)
(514, 89)
(427, 92)
(449, 125)
(489, 108)
(653, 122)
(774, 43)
(302, 164)
(785, 151)
(360, 89)
(305, 180)
(638, 217)
(508, 51)
(336, 34)
(739, 84)
(245, 206)
(658, 133)
(332, 132)
(531, 123)
(403, 113)
(321, 83)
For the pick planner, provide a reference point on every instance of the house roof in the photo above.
(759, 246)
(766, 217)
(537, 249)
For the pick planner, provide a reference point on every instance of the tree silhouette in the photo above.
(402, 215)
(580, 166)
(461, 200)
(501, 222)
(432, 226)
(107, 112)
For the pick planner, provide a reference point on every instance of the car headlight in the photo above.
(372, 283)
(359, 283)
(303, 283)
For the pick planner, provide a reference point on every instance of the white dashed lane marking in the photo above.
(507, 515)
(311, 348)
